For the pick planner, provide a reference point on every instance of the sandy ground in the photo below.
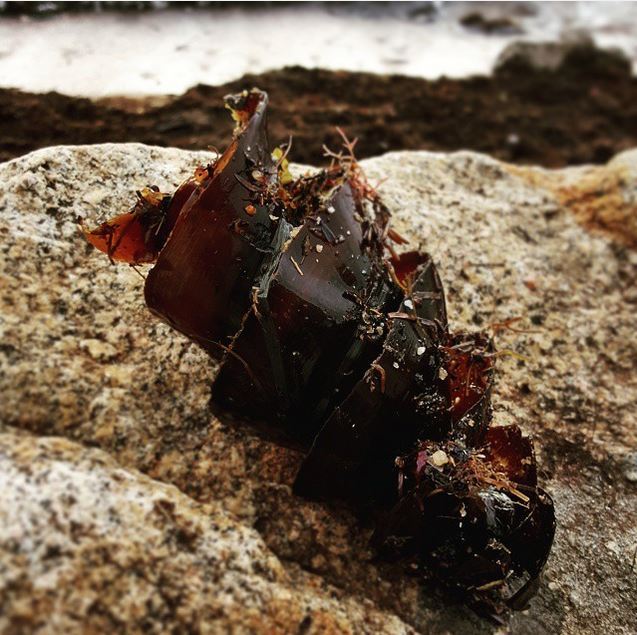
(167, 51)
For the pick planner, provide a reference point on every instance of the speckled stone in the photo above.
(81, 358)
(88, 546)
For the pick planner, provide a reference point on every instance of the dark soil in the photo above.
(584, 112)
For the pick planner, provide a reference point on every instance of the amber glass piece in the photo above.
(317, 319)
(474, 517)
(469, 363)
(326, 332)
(406, 264)
(124, 239)
(136, 237)
(400, 397)
(202, 282)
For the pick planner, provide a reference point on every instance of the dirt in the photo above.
(585, 111)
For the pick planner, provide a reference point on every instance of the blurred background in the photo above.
(528, 82)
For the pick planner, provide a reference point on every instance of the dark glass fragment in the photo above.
(469, 363)
(323, 330)
(474, 516)
(400, 398)
(202, 281)
(313, 317)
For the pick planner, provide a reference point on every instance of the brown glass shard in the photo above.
(316, 317)
(325, 331)
(473, 516)
(400, 398)
(202, 281)
(137, 237)
(469, 364)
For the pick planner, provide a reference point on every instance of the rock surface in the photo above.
(100, 549)
(552, 54)
(178, 520)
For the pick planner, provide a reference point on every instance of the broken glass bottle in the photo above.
(322, 329)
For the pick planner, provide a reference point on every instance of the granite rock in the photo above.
(82, 359)
(88, 546)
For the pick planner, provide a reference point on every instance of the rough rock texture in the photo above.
(102, 548)
(603, 198)
(211, 537)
